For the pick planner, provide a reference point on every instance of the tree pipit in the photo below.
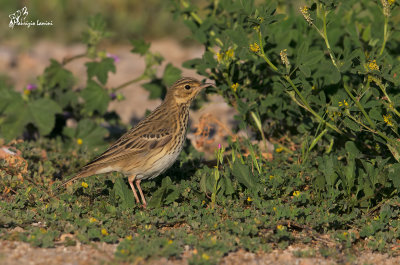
(150, 148)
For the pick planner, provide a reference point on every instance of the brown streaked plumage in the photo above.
(148, 149)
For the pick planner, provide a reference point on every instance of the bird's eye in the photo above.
(187, 87)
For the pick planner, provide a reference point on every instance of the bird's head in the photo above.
(185, 90)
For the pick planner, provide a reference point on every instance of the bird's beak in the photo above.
(206, 85)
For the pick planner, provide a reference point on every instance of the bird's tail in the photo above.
(82, 174)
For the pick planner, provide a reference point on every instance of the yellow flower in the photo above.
(391, 2)
(170, 242)
(249, 199)
(27, 92)
(271, 177)
(122, 251)
(104, 232)
(234, 87)
(296, 193)
(230, 53)
(274, 209)
(306, 14)
(92, 219)
(220, 57)
(313, 87)
(280, 227)
(388, 119)
(373, 66)
(344, 103)
(254, 47)
(376, 218)
(279, 149)
(345, 233)
(148, 227)
(84, 184)
(79, 141)
(129, 238)
(205, 256)
(256, 28)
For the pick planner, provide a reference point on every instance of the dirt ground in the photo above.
(17, 253)
(23, 65)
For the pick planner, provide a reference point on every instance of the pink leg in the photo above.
(130, 180)
(141, 193)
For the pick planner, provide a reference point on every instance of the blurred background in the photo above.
(26, 52)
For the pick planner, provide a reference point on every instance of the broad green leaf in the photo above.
(57, 77)
(156, 89)
(91, 134)
(125, 193)
(140, 46)
(96, 98)
(100, 69)
(171, 74)
(243, 175)
(43, 112)
(16, 117)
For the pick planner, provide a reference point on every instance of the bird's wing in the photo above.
(137, 142)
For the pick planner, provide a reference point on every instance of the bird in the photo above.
(153, 145)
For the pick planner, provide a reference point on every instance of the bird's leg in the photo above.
(130, 180)
(141, 193)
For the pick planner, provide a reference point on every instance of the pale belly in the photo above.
(160, 164)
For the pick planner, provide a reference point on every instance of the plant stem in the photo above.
(360, 107)
(140, 78)
(385, 35)
(70, 59)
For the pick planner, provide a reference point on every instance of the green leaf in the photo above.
(96, 98)
(243, 175)
(125, 193)
(156, 89)
(171, 74)
(160, 194)
(394, 175)
(100, 69)
(305, 70)
(57, 77)
(91, 134)
(16, 117)
(351, 124)
(140, 46)
(43, 113)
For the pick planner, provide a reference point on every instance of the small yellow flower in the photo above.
(344, 103)
(122, 251)
(33, 237)
(79, 141)
(274, 209)
(205, 256)
(388, 119)
(279, 149)
(148, 227)
(43, 231)
(203, 202)
(129, 238)
(220, 57)
(230, 53)
(345, 233)
(234, 87)
(256, 28)
(92, 219)
(313, 87)
(271, 177)
(27, 92)
(84, 184)
(249, 199)
(296, 193)
(280, 227)
(254, 47)
(104, 232)
(391, 2)
(170, 242)
(306, 14)
(373, 66)
(376, 218)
